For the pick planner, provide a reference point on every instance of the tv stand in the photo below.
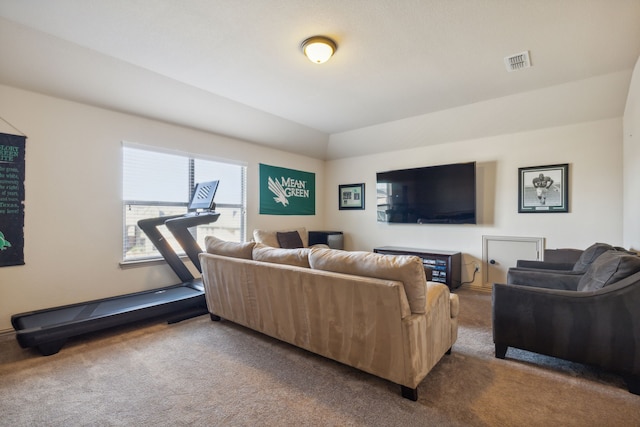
(445, 266)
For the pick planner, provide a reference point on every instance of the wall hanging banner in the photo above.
(287, 191)
(11, 199)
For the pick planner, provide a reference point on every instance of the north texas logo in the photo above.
(287, 188)
(4, 243)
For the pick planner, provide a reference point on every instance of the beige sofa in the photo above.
(374, 312)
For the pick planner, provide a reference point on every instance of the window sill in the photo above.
(147, 262)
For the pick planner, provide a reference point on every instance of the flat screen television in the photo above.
(444, 194)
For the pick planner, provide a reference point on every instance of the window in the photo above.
(157, 183)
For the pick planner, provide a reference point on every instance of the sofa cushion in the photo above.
(590, 255)
(610, 267)
(403, 268)
(298, 257)
(289, 239)
(270, 238)
(217, 246)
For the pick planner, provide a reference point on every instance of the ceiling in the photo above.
(234, 67)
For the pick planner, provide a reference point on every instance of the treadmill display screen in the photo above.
(203, 196)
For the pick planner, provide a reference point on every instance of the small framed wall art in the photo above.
(543, 189)
(351, 196)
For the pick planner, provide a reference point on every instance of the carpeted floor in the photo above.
(205, 373)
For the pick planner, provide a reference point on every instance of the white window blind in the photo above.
(159, 183)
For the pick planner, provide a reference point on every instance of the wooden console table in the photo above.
(445, 266)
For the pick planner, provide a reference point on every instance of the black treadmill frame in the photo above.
(49, 338)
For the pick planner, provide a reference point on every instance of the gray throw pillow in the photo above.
(610, 267)
(590, 255)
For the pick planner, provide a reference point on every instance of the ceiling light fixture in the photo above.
(318, 49)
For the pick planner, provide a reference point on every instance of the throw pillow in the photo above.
(610, 267)
(298, 257)
(590, 255)
(231, 249)
(289, 239)
(269, 238)
(403, 268)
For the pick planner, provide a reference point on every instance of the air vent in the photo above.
(519, 61)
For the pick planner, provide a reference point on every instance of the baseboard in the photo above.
(478, 288)
(7, 333)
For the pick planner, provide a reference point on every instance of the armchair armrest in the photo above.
(594, 327)
(544, 278)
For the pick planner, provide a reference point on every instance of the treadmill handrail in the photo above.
(150, 227)
(179, 227)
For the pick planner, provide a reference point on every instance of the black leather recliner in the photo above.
(591, 318)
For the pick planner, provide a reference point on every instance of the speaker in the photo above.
(334, 239)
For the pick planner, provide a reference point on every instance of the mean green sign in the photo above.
(287, 191)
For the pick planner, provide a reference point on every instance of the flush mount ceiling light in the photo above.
(318, 49)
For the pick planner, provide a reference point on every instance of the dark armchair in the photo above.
(592, 318)
(574, 260)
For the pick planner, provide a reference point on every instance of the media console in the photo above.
(445, 266)
(333, 239)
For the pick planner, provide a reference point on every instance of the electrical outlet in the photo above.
(477, 267)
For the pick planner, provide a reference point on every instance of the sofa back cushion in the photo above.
(610, 267)
(270, 237)
(216, 246)
(403, 268)
(590, 255)
(298, 257)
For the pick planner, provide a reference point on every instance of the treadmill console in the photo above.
(203, 195)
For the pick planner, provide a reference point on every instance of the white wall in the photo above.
(73, 243)
(593, 151)
(631, 125)
(73, 208)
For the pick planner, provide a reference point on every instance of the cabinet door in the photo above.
(501, 253)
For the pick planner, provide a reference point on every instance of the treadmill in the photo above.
(48, 329)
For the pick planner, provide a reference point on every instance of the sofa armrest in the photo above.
(544, 278)
(454, 302)
(435, 293)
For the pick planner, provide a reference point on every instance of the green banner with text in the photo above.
(287, 191)
(11, 199)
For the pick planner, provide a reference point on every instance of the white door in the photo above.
(502, 252)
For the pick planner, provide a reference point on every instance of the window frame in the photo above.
(156, 258)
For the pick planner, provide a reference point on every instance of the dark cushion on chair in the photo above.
(590, 255)
(610, 267)
(289, 240)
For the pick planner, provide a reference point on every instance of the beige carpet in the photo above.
(205, 373)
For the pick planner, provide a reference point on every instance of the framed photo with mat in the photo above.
(351, 196)
(543, 189)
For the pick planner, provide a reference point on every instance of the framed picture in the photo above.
(351, 196)
(543, 189)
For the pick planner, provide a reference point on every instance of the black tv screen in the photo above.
(444, 194)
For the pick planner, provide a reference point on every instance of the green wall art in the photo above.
(11, 199)
(287, 191)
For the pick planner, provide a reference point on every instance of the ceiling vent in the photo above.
(519, 61)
